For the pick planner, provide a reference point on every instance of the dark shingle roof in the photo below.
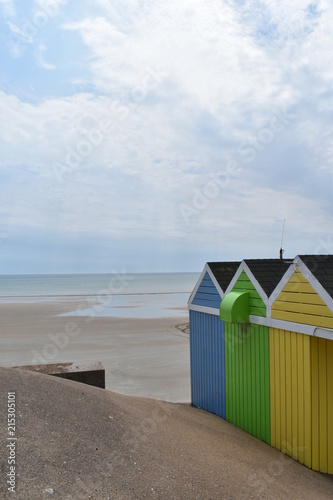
(321, 266)
(224, 272)
(268, 272)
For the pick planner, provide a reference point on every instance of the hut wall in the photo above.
(207, 295)
(290, 380)
(207, 362)
(322, 404)
(247, 378)
(299, 302)
(244, 284)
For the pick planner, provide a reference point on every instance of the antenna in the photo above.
(281, 249)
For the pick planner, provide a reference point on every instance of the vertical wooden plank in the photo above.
(262, 386)
(267, 395)
(322, 405)
(278, 389)
(250, 344)
(257, 430)
(307, 401)
(315, 402)
(329, 344)
(294, 396)
(248, 385)
(228, 388)
(300, 394)
(272, 385)
(234, 359)
(283, 392)
(242, 395)
(289, 440)
(261, 389)
(246, 367)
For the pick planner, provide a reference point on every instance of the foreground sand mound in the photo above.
(79, 442)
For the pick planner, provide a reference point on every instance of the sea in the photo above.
(120, 294)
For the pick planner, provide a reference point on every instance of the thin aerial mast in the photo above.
(281, 249)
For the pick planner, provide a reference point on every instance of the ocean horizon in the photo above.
(105, 294)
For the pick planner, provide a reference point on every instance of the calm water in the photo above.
(117, 294)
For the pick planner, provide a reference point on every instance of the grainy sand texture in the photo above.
(142, 357)
(80, 442)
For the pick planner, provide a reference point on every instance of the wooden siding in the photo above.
(322, 404)
(299, 303)
(247, 378)
(207, 362)
(290, 383)
(207, 295)
(244, 284)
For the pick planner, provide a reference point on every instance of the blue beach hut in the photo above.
(207, 337)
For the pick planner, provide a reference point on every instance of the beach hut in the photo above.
(243, 310)
(301, 362)
(261, 341)
(207, 337)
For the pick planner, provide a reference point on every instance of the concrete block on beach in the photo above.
(86, 372)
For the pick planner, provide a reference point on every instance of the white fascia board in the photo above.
(214, 280)
(244, 267)
(279, 287)
(323, 333)
(204, 309)
(208, 270)
(198, 283)
(291, 326)
(235, 278)
(316, 285)
(259, 320)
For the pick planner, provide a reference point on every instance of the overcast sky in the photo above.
(156, 136)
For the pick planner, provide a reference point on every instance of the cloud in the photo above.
(178, 92)
(7, 7)
(40, 58)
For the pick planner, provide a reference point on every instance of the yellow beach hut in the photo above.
(301, 362)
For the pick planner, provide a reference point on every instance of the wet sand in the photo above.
(142, 357)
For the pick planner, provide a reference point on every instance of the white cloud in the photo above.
(180, 86)
(40, 58)
(7, 7)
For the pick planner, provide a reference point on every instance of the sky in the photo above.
(157, 136)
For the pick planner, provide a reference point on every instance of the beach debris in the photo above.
(49, 490)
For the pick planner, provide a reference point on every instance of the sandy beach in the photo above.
(142, 357)
(80, 442)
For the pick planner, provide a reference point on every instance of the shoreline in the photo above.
(146, 357)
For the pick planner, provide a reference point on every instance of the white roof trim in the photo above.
(323, 333)
(208, 270)
(259, 320)
(204, 309)
(316, 285)
(279, 287)
(284, 325)
(291, 326)
(244, 267)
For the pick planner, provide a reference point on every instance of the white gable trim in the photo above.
(280, 286)
(208, 270)
(244, 267)
(195, 289)
(316, 285)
